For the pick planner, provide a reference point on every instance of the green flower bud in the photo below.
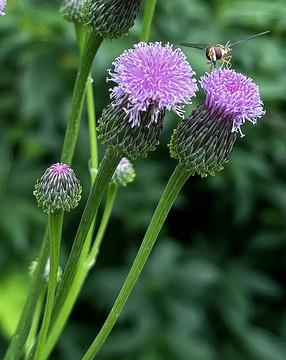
(203, 142)
(111, 18)
(73, 10)
(123, 174)
(58, 189)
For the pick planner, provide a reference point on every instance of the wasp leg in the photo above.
(210, 65)
(225, 61)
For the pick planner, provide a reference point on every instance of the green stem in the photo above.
(105, 172)
(89, 53)
(83, 268)
(15, 349)
(177, 180)
(81, 33)
(55, 223)
(36, 320)
(111, 194)
(147, 20)
(92, 127)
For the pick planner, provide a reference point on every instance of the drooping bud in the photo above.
(73, 10)
(111, 18)
(58, 189)
(123, 174)
(151, 79)
(2, 6)
(205, 139)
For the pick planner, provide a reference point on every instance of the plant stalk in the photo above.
(55, 223)
(90, 50)
(177, 180)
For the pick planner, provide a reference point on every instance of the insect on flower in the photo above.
(216, 53)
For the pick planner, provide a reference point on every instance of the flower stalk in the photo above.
(92, 45)
(82, 34)
(85, 264)
(55, 224)
(177, 180)
(105, 172)
(147, 19)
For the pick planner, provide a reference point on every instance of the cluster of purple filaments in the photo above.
(2, 6)
(60, 170)
(152, 78)
(233, 95)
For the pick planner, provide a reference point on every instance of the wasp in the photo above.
(218, 52)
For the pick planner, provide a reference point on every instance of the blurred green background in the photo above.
(214, 287)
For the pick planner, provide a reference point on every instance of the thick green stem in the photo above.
(170, 194)
(82, 32)
(147, 20)
(55, 223)
(83, 268)
(15, 350)
(90, 51)
(105, 172)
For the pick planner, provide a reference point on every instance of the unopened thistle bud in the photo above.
(2, 6)
(58, 189)
(111, 18)
(73, 10)
(205, 139)
(123, 174)
(150, 79)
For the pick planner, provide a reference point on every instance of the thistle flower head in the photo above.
(234, 95)
(73, 10)
(111, 18)
(205, 139)
(154, 77)
(2, 6)
(58, 189)
(123, 174)
(151, 78)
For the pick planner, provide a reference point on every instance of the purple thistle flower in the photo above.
(233, 95)
(152, 77)
(2, 6)
(205, 139)
(58, 189)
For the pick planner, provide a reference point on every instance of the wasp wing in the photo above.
(196, 46)
(248, 38)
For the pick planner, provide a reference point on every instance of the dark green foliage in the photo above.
(214, 288)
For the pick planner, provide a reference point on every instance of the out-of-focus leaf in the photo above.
(13, 292)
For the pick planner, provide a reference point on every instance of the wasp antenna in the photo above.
(249, 37)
